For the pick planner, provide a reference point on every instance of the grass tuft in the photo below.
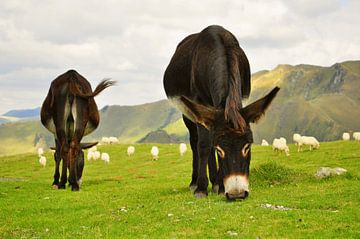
(273, 173)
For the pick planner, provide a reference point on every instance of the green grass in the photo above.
(158, 203)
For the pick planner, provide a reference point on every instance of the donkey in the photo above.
(207, 78)
(70, 112)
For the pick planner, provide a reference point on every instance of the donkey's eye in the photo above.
(220, 151)
(245, 150)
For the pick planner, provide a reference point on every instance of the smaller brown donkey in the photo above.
(70, 112)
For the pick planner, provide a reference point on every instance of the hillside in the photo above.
(313, 100)
(129, 123)
(132, 123)
(7, 119)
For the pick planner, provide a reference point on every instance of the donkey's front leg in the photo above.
(204, 150)
(213, 171)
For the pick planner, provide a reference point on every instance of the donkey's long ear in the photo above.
(87, 145)
(253, 112)
(198, 113)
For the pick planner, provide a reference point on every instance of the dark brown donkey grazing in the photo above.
(207, 78)
(70, 112)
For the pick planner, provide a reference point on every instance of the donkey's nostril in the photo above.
(241, 195)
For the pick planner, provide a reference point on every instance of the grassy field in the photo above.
(135, 197)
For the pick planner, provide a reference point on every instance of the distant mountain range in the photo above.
(26, 113)
(16, 115)
(313, 100)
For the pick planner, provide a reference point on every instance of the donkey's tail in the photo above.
(76, 90)
(102, 86)
(239, 81)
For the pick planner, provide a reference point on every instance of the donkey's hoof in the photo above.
(200, 195)
(56, 187)
(215, 188)
(61, 186)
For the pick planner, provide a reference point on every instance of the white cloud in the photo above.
(132, 41)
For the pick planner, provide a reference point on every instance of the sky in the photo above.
(133, 41)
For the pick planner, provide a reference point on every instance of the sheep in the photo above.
(356, 136)
(308, 140)
(113, 140)
(130, 150)
(40, 151)
(92, 149)
(296, 138)
(264, 143)
(109, 140)
(155, 152)
(105, 157)
(96, 155)
(280, 145)
(283, 140)
(90, 155)
(182, 149)
(105, 140)
(346, 136)
(42, 161)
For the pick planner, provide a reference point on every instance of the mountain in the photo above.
(25, 113)
(159, 136)
(132, 123)
(313, 100)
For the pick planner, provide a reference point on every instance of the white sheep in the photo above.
(105, 157)
(296, 138)
(264, 143)
(130, 150)
(308, 140)
(113, 140)
(155, 152)
(105, 140)
(42, 161)
(346, 136)
(90, 155)
(182, 149)
(40, 151)
(356, 136)
(283, 140)
(96, 155)
(92, 149)
(280, 145)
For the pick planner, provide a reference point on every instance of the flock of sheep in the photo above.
(356, 136)
(94, 154)
(155, 151)
(279, 144)
(109, 140)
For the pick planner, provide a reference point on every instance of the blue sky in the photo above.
(132, 41)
